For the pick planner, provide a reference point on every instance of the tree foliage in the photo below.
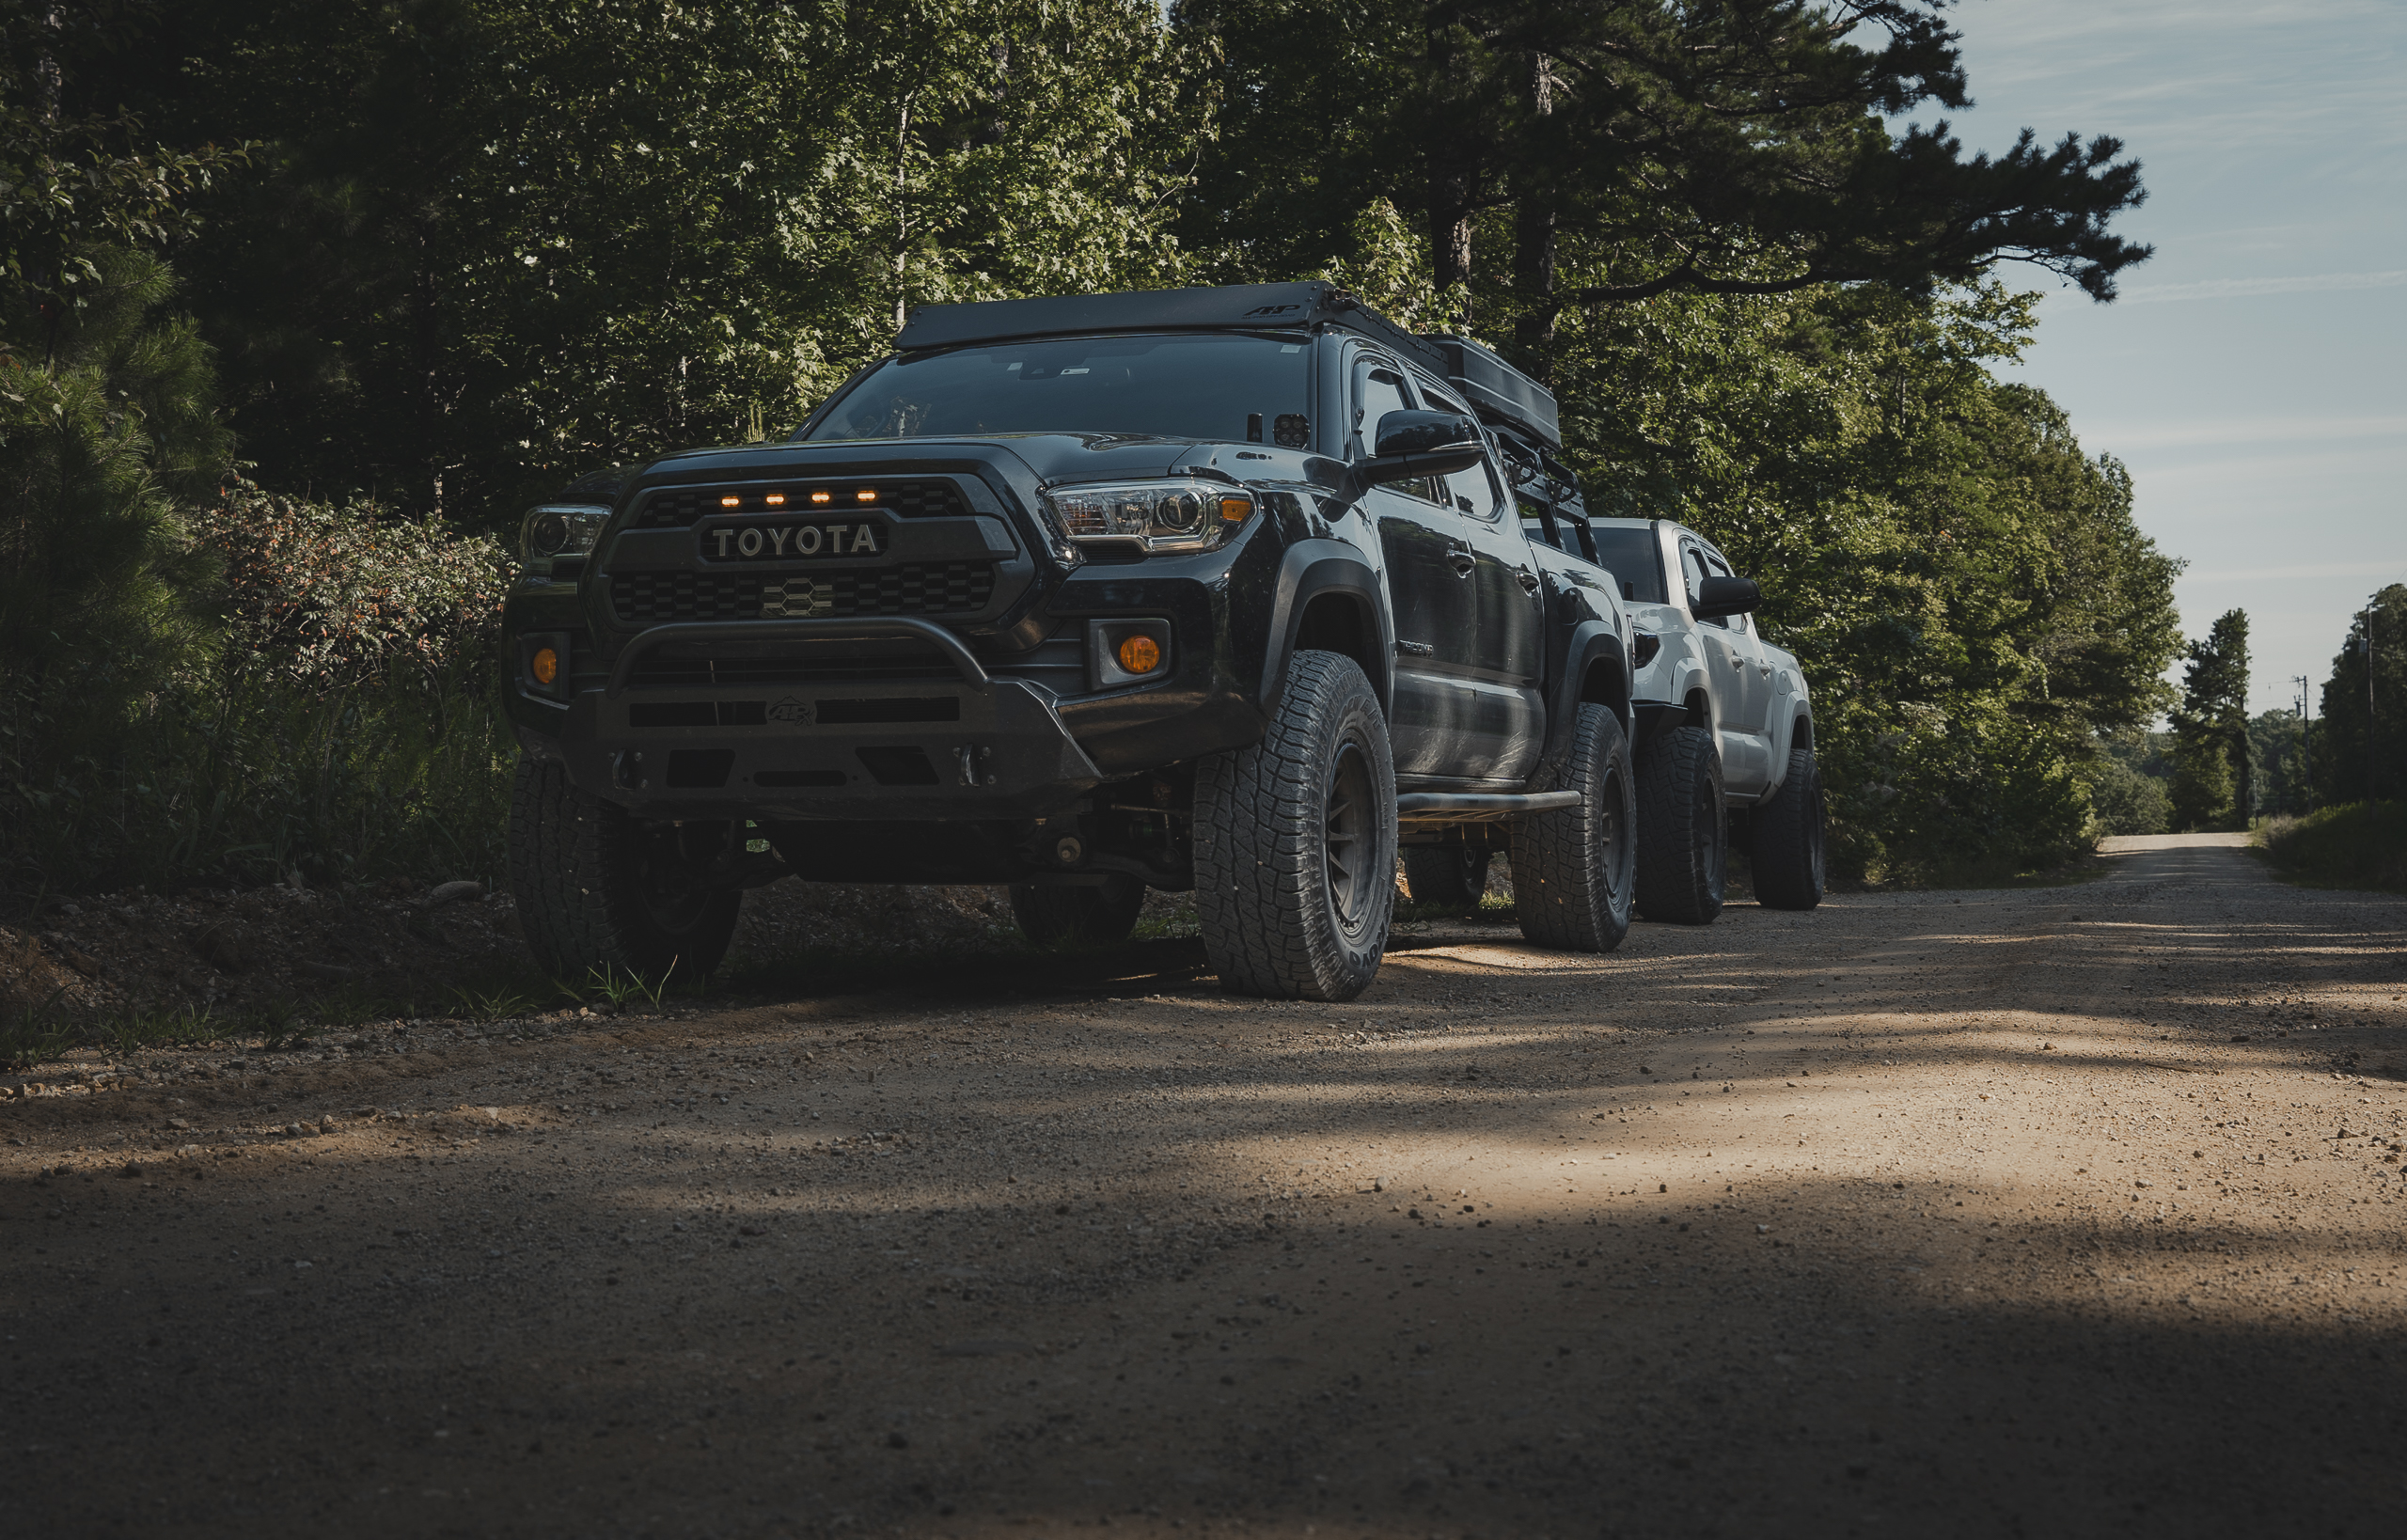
(2213, 777)
(498, 243)
(2360, 738)
(1654, 145)
(1966, 587)
(462, 250)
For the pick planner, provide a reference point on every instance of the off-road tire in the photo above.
(1574, 871)
(1051, 916)
(582, 869)
(1445, 877)
(1279, 917)
(1683, 829)
(1788, 830)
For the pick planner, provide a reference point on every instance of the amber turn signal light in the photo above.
(545, 665)
(1140, 655)
(1234, 510)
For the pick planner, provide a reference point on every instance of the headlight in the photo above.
(559, 531)
(1159, 516)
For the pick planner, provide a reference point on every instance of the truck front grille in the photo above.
(913, 587)
(675, 508)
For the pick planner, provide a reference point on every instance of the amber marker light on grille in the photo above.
(545, 665)
(775, 499)
(865, 495)
(1140, 654)
(820, 496)
(731, 502)
(1234, 510)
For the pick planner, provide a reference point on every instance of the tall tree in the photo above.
(1736, 147)
(2211, 727)
(108, 421)
(503, 241)
(2361, 730)
(1971, 597)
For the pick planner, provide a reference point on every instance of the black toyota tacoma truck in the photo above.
(1239, 589)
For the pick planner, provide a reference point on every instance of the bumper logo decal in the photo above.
(796, 599)
(791, 712)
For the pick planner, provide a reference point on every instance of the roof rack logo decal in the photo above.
(1271, 310)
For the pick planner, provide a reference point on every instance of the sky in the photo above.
(2253, 375)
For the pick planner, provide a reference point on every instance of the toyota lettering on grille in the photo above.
(784, 541)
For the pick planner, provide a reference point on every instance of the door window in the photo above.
(1378, 391)
(1719, 568)
(1694, 571)
(1476, 492)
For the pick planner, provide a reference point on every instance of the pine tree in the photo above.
(2212, 725)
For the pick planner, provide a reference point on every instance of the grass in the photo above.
(36, 1035)
(2357, 846)
(1989, 877)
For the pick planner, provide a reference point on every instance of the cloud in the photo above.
(2318, 283)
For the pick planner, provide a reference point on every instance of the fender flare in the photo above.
(1309, 570)
(1670, 708)
(1785, 741)
(1588, 643)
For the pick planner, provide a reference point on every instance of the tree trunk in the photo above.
(1454, 168)
(1534, 244)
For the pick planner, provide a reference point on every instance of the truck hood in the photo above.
(1047, 456)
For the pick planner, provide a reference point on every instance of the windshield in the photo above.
(1636, 557)
(1218, 385)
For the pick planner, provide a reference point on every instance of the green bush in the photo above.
(2356, 844)
(2127, 802)
(337, 721)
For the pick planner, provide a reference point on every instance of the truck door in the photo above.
(1740, 695)
(1508, 642)
(1430, 589)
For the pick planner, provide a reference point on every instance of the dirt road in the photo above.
(2056, 1212)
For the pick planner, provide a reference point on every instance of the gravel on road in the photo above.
(2068, 1210)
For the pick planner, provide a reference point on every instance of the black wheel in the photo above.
(1683, 828)
(1093, 915)
(1788, 829)
(1294, 842)
(601, 890)
(1445, 877)
(1573, 870)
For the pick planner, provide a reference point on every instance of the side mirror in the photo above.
(1720, 596)
(1417, 444)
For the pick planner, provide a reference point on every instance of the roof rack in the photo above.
(1246, 306)
(1502, 393)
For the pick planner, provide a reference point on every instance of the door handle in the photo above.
(1463, 562)
(1528, 579)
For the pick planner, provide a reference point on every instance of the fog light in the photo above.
(545, 665)
(1140, 654)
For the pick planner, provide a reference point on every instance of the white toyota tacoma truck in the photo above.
(1724, 729)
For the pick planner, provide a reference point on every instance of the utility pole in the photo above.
(2306, 740)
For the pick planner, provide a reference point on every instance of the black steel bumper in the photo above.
(973, 747)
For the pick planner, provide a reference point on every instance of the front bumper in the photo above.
(875, 749)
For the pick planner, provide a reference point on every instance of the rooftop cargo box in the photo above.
(1497, 388)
